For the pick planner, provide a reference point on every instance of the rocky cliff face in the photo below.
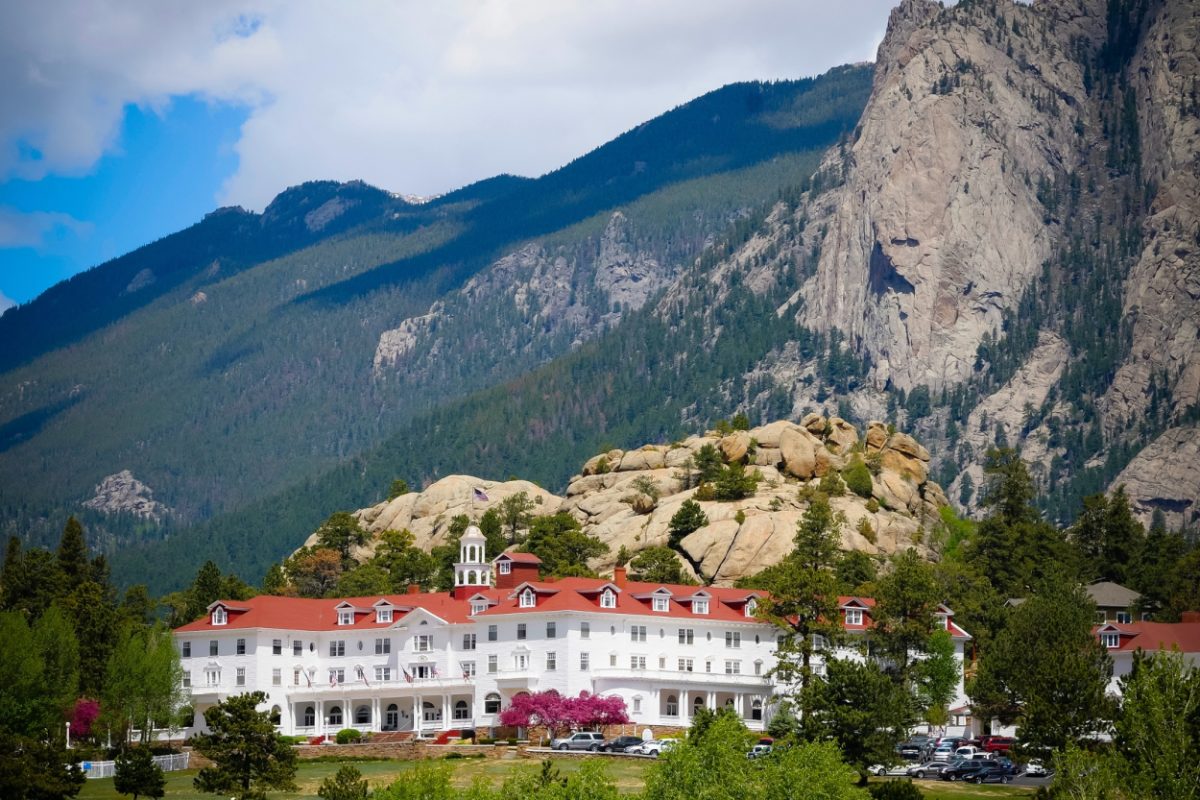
(741, 537)
(121, 493)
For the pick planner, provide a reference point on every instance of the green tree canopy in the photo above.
(137, 774)
(688, 519)
(248, 756)
(1108, 539)
(658, 565)
(559, 541)
(341, 532)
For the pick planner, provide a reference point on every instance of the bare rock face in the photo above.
(1165, 477)
(741, 538)
(935, 232)
(123, 493)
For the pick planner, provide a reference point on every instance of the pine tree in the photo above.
(137, 774)
(73, 558)
(248, 756)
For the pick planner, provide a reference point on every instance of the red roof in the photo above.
(520, 558)
(564, 594)
(1152, 636)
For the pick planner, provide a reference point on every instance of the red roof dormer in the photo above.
(856, 613)
(512, 569)
(221, 611)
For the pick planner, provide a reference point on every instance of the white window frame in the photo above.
(277, 677)
(468, 669)
(733, 667)
(608, 599)
(661, 604)
(686, 665)
(637, 633)
(637, 704)
(469, 641)
(585, 662)
(239, 676)
(187, 649)
(637, 662)
(187, 679)
(383, 645)
(383, 615)
(528, 599)
(585, 630)
(687, 636)
(551, 630)
(478, 608)
(423, 643)
(700, 607)
(733, 639)
(504, 567)
(493, 664)
(220, 616)
(854, 616)
(383, 673)
(1110, 639)
(751, 606)
(551, 661)
(1124, 618)
(337, 648)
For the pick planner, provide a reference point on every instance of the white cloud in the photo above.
(414, 97)
(5, 303)
(35, 228)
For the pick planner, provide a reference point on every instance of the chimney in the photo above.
(414, 588)
(620, 575)
(1190, 616)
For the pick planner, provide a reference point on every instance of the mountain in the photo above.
(626, 499)
(229, 361)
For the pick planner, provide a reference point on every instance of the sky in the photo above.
(122, 122)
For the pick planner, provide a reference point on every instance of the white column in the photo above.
(445, 712)
(320, 717)
(416, 717)
(711, 701)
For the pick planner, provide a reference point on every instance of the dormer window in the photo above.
(504, 567)
(528, 599)
(699, 606)
(751, 606)
(1110, 640)
(854, 616)
(662, 603)
(345, 616)
(479, 608)
(382, 615)
(608, 599)
(219, 616)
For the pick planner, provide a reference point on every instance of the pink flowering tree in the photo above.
(597, 711)
(546, 711)
(83, 716)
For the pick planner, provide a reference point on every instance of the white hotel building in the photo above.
(432, 662)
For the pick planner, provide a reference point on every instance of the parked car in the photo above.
(999, 744)
(930, 769)
(893, 771)
(584, 740)
(910, 750)
(651, 747)
(958, 769)
(943, 752)
(1035, 769)
(620, 744)
(966, 751)
(759, 750)
(988, 772)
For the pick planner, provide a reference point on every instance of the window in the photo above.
(637, 662)
(699, 606)
(662, 662)
(758, 667)
(468, 669)
(277, 677)
(520, 661)
(296, 676)
(491, 703)
(1102, 617)
(335, 715)
(637, 633)
(337, 676)
(608, 599)
(733, 639)
(612, 659)
(733, 668)
(345, 616)
(585, 660)
(1110, 640)
(277, 647)
(686, 636)
(240, 676)
(551, 630)
(462, 710)
(662, 603)
(423, 642)
(491, 665)
(551, 661)
(708, 665)
(219, 617)
(383, 673)
(751, 605)
(521, 630)
(528, 599)
(585, 630)
(478, 608)
(1124, 617)
(504, 567)
(187, 649)
(854, 616)
(337, 648)
(187, 678)
(468, 641)
(492, 633)
(362, 715)
(672, 706)
(212, 647)
(637, 705)
(383, 646)
(297, 648)
(756, 709)
(685, 665)
(241, 647)
(310, 716)
(212, 677)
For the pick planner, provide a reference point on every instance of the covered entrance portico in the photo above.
(421, 708)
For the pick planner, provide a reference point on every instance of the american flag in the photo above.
(480, 495)
(407, 675)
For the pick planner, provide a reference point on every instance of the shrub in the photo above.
(734, 483)
(602, 466)
(347, 784)
(832, 485)
(858, 478)
(895, 790)
(865, 529)
(740, 517)
(348, 736)
(705, 491)
(873, 505)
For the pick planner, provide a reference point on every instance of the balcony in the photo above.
(372, 687)
(673, 677)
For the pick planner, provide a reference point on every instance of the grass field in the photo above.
(626, 773)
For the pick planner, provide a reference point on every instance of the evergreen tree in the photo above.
(341, 532)
(559, 541)
(54, 638)
(73, 559)
(658, 565)
(249, 757)
(515, 513)
(1108, 538)
(347, 784)
(1154, 574)
(36, 769)
(90, 607)
(687, 520)
(12, 578)
(906, 606)
(708, 462)
(492, 528)
(205, 590)
(1156, 731)
(856, 573)
(137, 774)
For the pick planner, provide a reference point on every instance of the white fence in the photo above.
(106, 769)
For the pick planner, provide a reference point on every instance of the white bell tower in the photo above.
(472, 568)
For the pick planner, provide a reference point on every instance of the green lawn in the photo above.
(627, 773)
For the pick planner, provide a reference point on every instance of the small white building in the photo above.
(430, 662)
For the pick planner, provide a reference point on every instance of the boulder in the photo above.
(644, 459)
(605, 462)
(799, 450)
(814, 423)
(768, 456)
(842, 434)
(877, 436)
(768, 435)
(734, 446)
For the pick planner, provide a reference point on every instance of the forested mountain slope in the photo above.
(235, 358)
(1005, 251)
